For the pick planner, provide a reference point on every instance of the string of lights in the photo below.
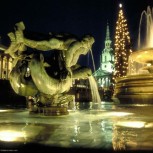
(122, 46)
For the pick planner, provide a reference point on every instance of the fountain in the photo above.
(44, 66)
(87, 128)
(137, 86)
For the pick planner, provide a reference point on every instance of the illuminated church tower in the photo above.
(104, 74)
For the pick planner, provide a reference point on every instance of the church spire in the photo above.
(107, 32)
(107, 40)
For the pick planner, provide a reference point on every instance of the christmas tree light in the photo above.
(122, 45)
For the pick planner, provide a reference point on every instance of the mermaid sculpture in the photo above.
(46, 78)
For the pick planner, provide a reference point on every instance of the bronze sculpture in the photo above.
(47, 81)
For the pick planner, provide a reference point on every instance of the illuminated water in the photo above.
(147, 31)
(111, 127)
(94, 90)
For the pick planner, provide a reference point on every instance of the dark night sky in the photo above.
(78, 17)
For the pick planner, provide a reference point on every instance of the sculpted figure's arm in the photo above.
(44, 45)
(16, 47)
(76, 49)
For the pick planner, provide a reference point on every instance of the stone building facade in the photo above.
(5, 65)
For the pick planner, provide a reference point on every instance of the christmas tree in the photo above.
(122, 45)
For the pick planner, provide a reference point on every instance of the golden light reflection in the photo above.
(149, 64)
(4, 111)
(132, 124)
(118, 114)
(9, 135)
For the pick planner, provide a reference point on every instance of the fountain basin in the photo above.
(91, 127)
(134, 89)
(137, 86)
